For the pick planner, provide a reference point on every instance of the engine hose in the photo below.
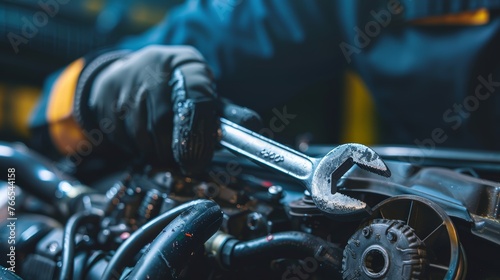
(291, 245)
(143, 236)
(37, 175)
(70, 230)
(168, 254)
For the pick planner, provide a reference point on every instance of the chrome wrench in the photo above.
(318, 175)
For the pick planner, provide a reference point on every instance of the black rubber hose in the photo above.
(70, 230)
(171, 250)
(291, 245)
(141, 237)
(36, 174)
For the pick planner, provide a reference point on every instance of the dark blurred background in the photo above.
(37, 37)
(63, 30)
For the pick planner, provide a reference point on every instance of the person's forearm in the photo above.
(258, 49)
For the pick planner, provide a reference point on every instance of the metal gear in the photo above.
(384, 249)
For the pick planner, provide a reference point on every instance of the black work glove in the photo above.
(162, 103)
(163, 106)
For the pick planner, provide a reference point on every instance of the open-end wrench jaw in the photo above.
(318, 175)
(330, 168)
(358, 154)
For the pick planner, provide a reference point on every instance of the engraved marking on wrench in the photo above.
(272, 156)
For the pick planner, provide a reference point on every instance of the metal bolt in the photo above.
(275, 192)
(367, 231)
(53, 246)
(254, 221)
(307, 194)
(391, 236)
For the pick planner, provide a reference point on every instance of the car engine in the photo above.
(436, 217)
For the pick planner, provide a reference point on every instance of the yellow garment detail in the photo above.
(65, 132)
(478, 17)
(17, 103)
(23, 101)
(359, 117)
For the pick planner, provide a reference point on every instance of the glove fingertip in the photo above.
(194, 135)
(243, 116)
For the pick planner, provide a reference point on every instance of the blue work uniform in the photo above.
(431, 66)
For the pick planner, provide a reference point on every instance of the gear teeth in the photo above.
(406, 244)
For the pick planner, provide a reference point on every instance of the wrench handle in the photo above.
(266, 152)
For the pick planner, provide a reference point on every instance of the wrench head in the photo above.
(332, 167)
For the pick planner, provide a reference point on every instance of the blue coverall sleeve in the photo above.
(258, 49)
(261, 52)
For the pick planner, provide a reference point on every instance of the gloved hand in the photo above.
(162, 103)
